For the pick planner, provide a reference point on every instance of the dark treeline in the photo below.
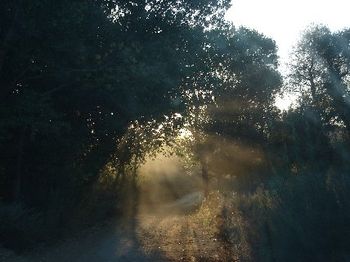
(88, 88)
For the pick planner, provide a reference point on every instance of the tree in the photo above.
(320, 70)
(73, 85)
(233, 99)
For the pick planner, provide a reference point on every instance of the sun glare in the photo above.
(185, 133)
(283, 21)
(293, 17)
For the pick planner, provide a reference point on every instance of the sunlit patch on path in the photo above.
(174, 217)
(168, 219)
(186, 237)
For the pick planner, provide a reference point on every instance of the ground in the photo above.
(171, 221)
(162, 235)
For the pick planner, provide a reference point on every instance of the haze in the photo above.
(285, 20)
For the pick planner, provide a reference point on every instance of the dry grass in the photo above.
(187, 237)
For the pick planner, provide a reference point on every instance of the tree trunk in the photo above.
(9, 36)
(205, 175)
(19, 162)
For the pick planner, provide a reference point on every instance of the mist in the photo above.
(157, 131)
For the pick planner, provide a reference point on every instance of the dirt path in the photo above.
(110, 242)
(157, 237)
(172, 222)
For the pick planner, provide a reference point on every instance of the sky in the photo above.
(284, 20)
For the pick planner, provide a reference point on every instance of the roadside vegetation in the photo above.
(93, 91)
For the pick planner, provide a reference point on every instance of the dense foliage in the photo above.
(88, 88)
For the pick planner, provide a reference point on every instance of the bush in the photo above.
(299, 218)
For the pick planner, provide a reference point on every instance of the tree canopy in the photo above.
(90, 88)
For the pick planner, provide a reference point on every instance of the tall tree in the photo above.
(73, 84)
(321, 70)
